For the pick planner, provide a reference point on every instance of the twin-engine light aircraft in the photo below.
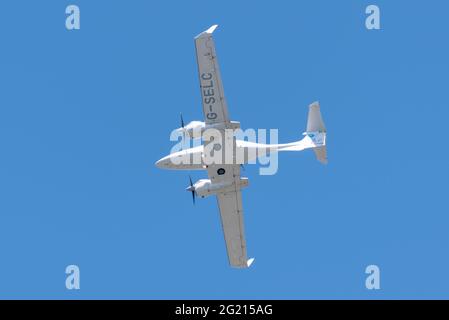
(224, 175)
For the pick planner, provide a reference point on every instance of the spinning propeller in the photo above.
(191, 188)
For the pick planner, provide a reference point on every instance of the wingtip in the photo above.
(212, 29)
(208, 31)
(250, 262)
(314, 104)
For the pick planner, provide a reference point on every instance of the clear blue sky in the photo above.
(85, 114)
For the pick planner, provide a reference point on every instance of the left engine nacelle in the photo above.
(204, 187)
(195, 129)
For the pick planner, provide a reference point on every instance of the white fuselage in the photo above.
(245, 152)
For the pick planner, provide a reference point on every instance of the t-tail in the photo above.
(315, 135)
(317, 132)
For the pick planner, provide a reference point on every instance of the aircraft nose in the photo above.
(160, 163)
(163, 162)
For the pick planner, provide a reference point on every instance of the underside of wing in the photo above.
(214, 104)
(231, 213)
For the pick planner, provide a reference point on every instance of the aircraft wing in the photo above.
(231, 212)
(214, 104)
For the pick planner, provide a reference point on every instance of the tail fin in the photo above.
(315, 136)
(321, 154)
(315, 121)
(317, 132)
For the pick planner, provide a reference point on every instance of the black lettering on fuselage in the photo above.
(209, 100)
(207, 86)
(209, 92)
(206, 76)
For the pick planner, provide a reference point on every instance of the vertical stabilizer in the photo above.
(315, 121)
(317, 132)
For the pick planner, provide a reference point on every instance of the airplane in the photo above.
(225, 180)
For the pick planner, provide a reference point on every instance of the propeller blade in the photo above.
(182, 121)
(192, 189)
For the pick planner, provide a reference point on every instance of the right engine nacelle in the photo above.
(204, 187)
